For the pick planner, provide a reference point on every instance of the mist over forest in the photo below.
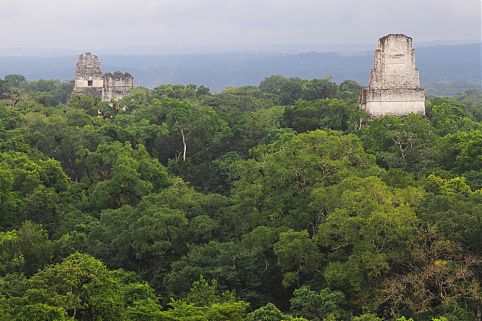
(445, 69)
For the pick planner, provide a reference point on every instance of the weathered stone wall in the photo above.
(81, 83)
(90, 80)
(394, 87)
(88, 74)
(117, 85)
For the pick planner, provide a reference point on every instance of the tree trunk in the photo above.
(184, 153)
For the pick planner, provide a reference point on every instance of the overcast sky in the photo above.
(242, 23)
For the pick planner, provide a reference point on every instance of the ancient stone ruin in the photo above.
(90, 80)
(394, 87)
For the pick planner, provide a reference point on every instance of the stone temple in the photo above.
(394, 87)
(90, 80)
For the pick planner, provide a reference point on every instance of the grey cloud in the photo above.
(104, 23)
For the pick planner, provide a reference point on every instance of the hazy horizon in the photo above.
(194, 50)
(237, 42)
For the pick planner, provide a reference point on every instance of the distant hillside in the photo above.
(440, 67)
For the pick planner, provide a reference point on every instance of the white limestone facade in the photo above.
(90, 80)
(394, 87)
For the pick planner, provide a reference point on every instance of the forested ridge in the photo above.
(278, 202)
(445, 69)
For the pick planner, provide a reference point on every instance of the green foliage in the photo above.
(193, 127)
(180, 91)
(203, 303)
(317, 306)
(243, 99)
(4, 88)
(35, 247)
(270, 312)
(235, 205)
(462, 151)
(296, 254)
(368, 230)
(15, 80)
(349, 89)
(9, 118)
(141, 238)
(41, 312)
(456, 212)
(157, 231)
(80, 288)
(401, 142)
(449, 117)
(452, 186)
(366, 317)
(11, 259)
(249, 266)
(275, 188)
(292, 89)
(334, 114)
(472, 101)
(30, 189)
(251, 128)
(119, 174)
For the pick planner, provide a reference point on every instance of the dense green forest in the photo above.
(277, 202)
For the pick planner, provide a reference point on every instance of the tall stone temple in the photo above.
(90, 80)
(394, 87)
